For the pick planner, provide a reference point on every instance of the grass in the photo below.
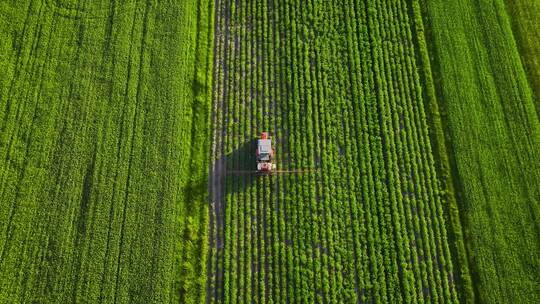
(494, 135)
(103, 150)
(419, 118)
(524, 16)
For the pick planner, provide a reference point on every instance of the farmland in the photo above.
(340, 85)
(524, 16)
(406, 136)
(495, 134)
(103, 131)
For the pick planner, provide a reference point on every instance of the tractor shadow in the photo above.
(240, 168)
(242, 158)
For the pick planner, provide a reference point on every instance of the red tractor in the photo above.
(265, 153)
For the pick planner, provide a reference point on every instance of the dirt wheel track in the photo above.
(217, 163)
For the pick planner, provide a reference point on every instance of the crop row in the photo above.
(337, 86)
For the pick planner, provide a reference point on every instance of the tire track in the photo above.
(217, 177)
(14, 132)
(215, 170)
(134, 130)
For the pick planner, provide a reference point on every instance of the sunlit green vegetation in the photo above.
(104, 109)
(494, 134)
(340, 87)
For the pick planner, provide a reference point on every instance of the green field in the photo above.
(341, 89)
(494, 132)
(103, 128)
(127, 148)
(524, 16)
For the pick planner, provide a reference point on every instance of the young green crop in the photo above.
(104, 111)
(494, 132)
(337, 86)
(524, 16)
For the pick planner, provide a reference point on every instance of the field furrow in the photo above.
(337, 86)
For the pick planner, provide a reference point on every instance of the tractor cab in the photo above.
(264, 153)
